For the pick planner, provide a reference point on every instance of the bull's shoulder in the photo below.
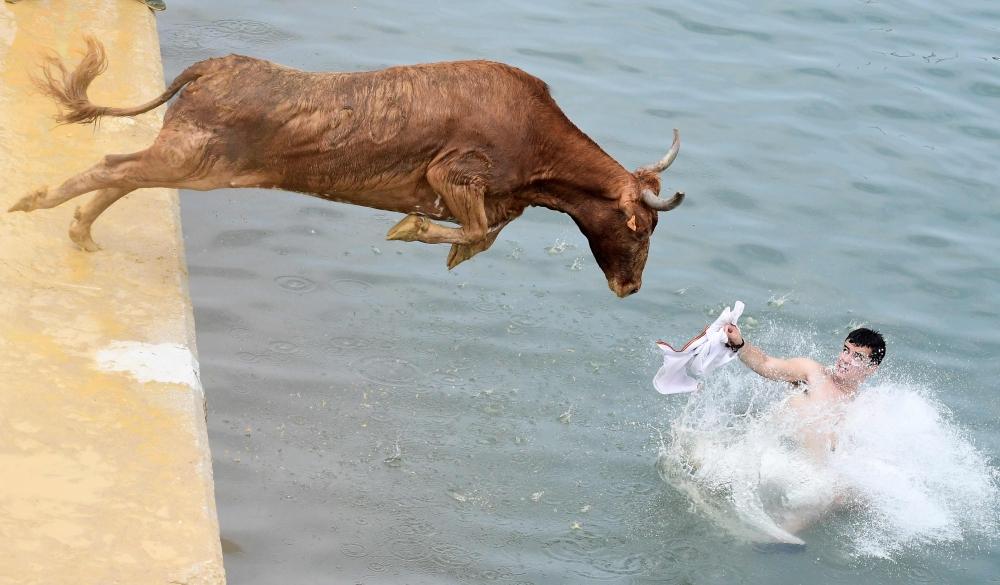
(498, 68)
(478, 72)
(522, 76)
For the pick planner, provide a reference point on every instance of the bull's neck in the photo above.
(581, 173)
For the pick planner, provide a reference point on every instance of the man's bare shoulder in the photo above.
(808, 368)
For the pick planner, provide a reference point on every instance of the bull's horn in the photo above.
(669, 157)
(659, 204)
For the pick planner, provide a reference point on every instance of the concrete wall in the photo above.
(105, 472)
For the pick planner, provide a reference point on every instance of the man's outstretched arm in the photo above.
(772, 368)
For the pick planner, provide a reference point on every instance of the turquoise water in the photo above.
(377, 419)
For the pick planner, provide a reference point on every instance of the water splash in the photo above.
(779, 300)
(558, 247)
(913, 474)
(903, 475)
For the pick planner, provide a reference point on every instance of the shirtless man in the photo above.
(814, 411)
(823, 387)
(860, 357)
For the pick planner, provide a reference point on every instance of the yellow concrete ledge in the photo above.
(105, 473)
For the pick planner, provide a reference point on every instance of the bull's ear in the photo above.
(631, 223)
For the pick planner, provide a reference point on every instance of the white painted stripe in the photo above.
(169, 363)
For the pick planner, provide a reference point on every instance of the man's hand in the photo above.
(734, 334)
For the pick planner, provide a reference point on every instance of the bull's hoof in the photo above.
(461, 252)
(30, 201)
(80, 234)
(409, 229)
(85, 242)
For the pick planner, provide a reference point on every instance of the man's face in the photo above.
(854, 363)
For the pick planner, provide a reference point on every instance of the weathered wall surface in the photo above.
(105, 473)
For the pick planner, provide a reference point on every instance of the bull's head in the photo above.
(619, 231)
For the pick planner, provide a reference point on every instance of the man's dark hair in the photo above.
(871, 339)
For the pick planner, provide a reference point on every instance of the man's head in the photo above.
(860, 356)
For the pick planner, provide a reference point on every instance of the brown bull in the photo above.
(471, 142)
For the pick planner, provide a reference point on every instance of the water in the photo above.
(377, 419)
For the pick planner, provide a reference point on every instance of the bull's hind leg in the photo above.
(168, 163)
(462, 188)
(104, 174)
(114, 177)
(79, 230)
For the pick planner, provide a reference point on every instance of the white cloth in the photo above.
(683, 368)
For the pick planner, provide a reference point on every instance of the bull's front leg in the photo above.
(464, 196)
(461, 252)
(417, 228)
(415, 224)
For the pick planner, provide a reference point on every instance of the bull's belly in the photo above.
(423, 201)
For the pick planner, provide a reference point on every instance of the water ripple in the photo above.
(202, 38)
(350, 287)
(453, 555)
(387, 370)
(348, 345)
(297, 284)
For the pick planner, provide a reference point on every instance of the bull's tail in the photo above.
(69, 88)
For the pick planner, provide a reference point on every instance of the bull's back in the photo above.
(384, 114)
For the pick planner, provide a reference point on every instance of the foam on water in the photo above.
(904, 473)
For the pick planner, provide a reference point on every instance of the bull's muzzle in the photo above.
(624, 289)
